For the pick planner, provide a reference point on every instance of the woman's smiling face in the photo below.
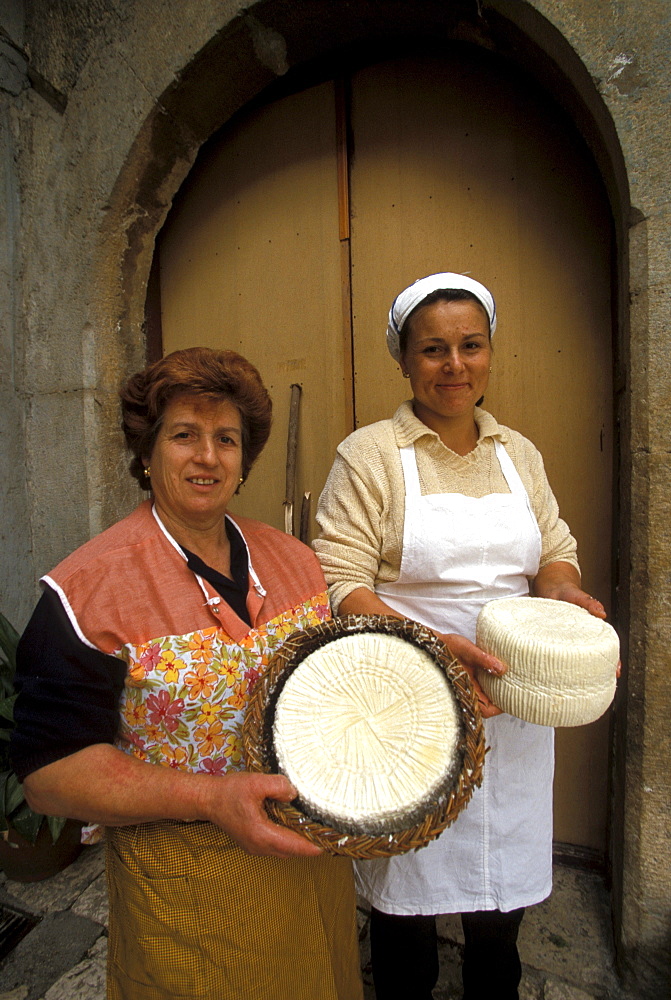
(447, 356)
(196, 461)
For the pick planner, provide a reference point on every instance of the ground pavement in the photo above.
(565, 943)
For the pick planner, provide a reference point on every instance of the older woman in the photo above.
(134, 674)
(428, 516)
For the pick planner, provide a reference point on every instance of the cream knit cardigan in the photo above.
(362, 509)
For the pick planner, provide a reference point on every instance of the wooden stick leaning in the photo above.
(292, 448)
(305, 519)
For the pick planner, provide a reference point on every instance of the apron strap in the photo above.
(515, 484)
(510, 473)
(410, 472)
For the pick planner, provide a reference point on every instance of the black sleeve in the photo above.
(68, 693)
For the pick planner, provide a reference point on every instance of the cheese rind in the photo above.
(367, 729)
(561, 660)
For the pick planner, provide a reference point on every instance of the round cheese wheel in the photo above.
(367, 729)
(561, 660)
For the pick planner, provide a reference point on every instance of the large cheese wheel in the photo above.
(561, 660)
(367, 729)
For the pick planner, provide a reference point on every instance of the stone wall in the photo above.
(103, 107)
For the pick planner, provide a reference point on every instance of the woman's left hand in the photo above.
(472, 659)
(574, 595)
(560, 581)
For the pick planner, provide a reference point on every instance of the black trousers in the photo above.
(404, 955)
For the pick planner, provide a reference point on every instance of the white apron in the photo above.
(458, 553)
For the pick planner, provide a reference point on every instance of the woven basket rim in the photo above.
(260, 757)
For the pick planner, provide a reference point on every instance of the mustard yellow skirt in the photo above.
(192, 915)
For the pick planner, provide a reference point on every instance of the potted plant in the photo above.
(32, 846)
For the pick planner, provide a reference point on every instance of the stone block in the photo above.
(13, 69)
(568, 935)
(87, 980)
(53, 947)
(61, 891)
(93, 902)
(555, 990)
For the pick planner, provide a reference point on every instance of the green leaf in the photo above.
(27, 822)
(7, 712)
(56, 824)
(13, 794)
(4, 777)
(9, 640)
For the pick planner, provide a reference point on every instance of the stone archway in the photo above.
(87, 327)
(268, 43)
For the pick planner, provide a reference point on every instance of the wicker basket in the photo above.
(258, 741)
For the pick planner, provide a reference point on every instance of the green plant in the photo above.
(14, 810)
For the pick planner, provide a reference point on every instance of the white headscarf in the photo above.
(411, 296)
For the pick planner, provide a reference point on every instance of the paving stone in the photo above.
(60, 891)
(564, 991)
(52, 948)
(568, 935)
(87, 981)
(565, 941)
(531, 987)
(93, 902)
(449, 956)
(363, 923)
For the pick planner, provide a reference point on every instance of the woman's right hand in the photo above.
(364, 602)
(236, 802)
(472, 658)
(105, 785)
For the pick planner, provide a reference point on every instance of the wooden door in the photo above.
(459, 167)
(454, 165)
(250, 260)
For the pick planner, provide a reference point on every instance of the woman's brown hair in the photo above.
(196, 371)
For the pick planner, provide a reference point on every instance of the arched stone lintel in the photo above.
(234, 68)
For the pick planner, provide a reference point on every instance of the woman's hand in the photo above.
(365, 602)
(101, 784)
(235, 802)
(560, 581)
(473, 658)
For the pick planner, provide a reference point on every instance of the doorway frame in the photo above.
(241, 63)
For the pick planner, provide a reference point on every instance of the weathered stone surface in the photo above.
(52, 948)
(87, 980)
(13, 67)
(554, 990)
(570, 932)
(61, 891)
(20, 993)
(93, 902)
(89, 175)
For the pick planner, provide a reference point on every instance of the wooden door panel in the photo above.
(458, 167)
(250, 260)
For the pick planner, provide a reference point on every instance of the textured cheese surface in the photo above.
(561, 660)
(366, 728)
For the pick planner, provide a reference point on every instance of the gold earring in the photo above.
(490, 369)
(406, 374)
(147, 471)
(241, 480)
